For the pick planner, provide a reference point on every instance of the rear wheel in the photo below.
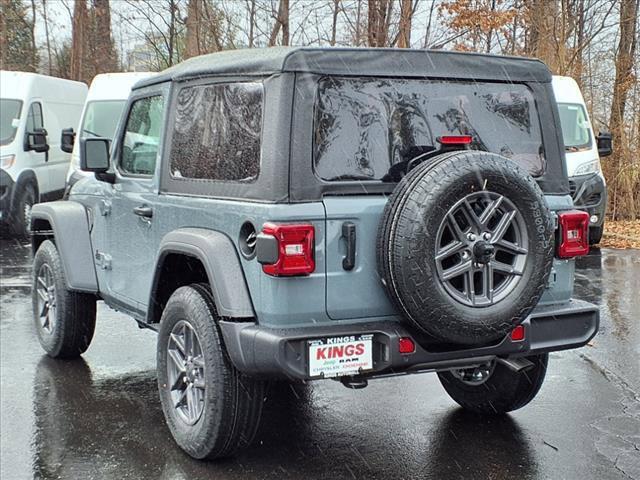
(493, 388)
(212, 409)
(65, 320)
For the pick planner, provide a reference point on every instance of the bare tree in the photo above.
(47, 36)
(624, 81)
(78, 40)
(101, 41)
(193, 22)
(282, 22)
(406, 15)
(252, 22)
(379, 21)
(334, 21)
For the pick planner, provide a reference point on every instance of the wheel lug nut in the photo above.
(487, 236)
(471, 237)
(465, 255)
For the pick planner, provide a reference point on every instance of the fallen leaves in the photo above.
(621, 234)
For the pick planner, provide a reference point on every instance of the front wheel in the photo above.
(22, 217)
(212, 410)
(64, 319)
(493, 388)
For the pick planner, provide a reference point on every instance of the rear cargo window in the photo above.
(216, 132)
(363, 126)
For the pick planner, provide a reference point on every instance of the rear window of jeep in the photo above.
(216, 132)
(363, 126)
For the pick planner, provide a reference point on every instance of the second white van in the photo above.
(106, 99)
(583, 150)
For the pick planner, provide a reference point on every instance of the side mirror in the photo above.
(605, 144)
(67, 139)
(37, 141)
(94, 155)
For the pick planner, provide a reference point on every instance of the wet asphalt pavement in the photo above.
(100, 417)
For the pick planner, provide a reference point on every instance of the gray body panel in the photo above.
(70, 226)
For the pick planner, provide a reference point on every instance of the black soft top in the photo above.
(391, 62)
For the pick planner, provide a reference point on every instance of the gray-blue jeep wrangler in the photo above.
(310, 213)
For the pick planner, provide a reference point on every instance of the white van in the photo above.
(106, 99)
(583, 150)
(33, 110)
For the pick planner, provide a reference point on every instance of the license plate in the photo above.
(339, 356)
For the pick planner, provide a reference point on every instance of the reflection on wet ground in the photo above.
(99, 417)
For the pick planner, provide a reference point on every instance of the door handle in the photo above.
(349, 234)
(144, 211)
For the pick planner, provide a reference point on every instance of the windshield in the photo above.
(576, 132)
(9, 111)
(364, 126)
(101, 118)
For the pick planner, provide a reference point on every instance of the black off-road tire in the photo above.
(504, 391)
(595, 234)
(73, 314)
(21, 213)
(232, 401)
(406, 245)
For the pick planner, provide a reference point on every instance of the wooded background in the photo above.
(594, 41)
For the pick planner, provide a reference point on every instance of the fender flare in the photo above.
(219, 256)
(70, 226)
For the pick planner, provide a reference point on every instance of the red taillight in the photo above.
(574, 233)
(406, 345)
(517, 334)
(455, 139)
(295, 245)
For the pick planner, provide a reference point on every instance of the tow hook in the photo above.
(354, 383)
(516, 364)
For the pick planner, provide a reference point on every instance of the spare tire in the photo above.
(465, 246)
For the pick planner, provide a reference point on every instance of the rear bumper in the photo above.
(283, 352)
(589, 193)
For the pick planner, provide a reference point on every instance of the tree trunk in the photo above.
(46, 35)
(406, 14)
(104, 51)
(194, 19)
(379, 17)
(624, 80)
(282, 21)
(252, 22)
(78, 40)
(334, 21)
(542, 40)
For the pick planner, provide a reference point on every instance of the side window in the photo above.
(34, 117)
(142, 136)
(216, 132)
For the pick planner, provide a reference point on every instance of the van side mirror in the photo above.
(605, 144)
(36, 141)
(67, 139)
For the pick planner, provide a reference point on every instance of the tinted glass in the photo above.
(216, 132)
(34, 118)
(576, 132)
(101, 118)
(9, 110)
(142, 136)
(364, 126)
